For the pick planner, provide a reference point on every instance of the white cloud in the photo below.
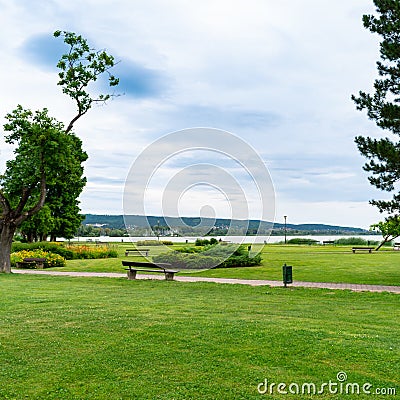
(277, 74)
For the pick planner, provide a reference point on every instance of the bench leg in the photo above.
(169, 276)
(131, 274)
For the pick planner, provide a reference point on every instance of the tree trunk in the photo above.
(6, 237)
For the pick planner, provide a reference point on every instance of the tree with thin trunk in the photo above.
(43, 144)
(389, 228)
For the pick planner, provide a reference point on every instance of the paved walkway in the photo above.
(251, 282)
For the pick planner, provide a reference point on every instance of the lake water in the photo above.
(232, 239)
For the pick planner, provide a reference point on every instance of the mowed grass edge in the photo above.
(98, 338)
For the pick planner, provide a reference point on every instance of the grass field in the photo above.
(310, 263)
(102, 338)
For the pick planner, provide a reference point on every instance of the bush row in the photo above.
(213, 256)
(205, 242)
(154, 243)
(355, 241)
(350, 241)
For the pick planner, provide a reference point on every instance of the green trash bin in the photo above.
(287, 274)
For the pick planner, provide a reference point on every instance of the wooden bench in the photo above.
(324, 242)
(37, 263)
(369, 249)
(137, 252)
(396, 246)
(140, 266)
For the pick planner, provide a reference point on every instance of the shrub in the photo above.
(148, 243)
(187, 261)
(52, 259)
(355, 241)
(205, 242)
(241, 258)
(302, 241)
(189, 249)
(229, 256)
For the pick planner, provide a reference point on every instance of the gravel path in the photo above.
(321, 285)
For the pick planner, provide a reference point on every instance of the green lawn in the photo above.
(310, 263)
(103, 338)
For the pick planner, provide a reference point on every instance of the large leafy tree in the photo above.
(38, 226)
(382, 106)
(60, 217)
(44, 148)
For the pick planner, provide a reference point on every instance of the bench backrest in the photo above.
(144, 264)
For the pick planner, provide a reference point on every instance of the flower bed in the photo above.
(52, 259)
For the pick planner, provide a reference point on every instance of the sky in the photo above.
(278, 75)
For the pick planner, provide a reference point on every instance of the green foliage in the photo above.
(241, 258)
(211, 256)
(184, 261)
(383, 105)
(48, 161)
(38, 226)
(81, 66)
(41, 145)
(205, 242)
(302, 241)
(48, 156)
(189, 249)
(389, 228)
(149, 243)
(52, 259)
(354, 241)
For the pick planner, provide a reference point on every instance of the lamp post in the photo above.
(285, 216)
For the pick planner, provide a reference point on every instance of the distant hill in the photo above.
(117, 222)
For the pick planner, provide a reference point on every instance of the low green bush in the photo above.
(52, 259)
(302, 241)
(187, 261)
(356, 241)
(212, 256)
(149, 243)
(241, 258)
(189, 249)
(205, 242)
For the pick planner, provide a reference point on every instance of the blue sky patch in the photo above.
(45, 50)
